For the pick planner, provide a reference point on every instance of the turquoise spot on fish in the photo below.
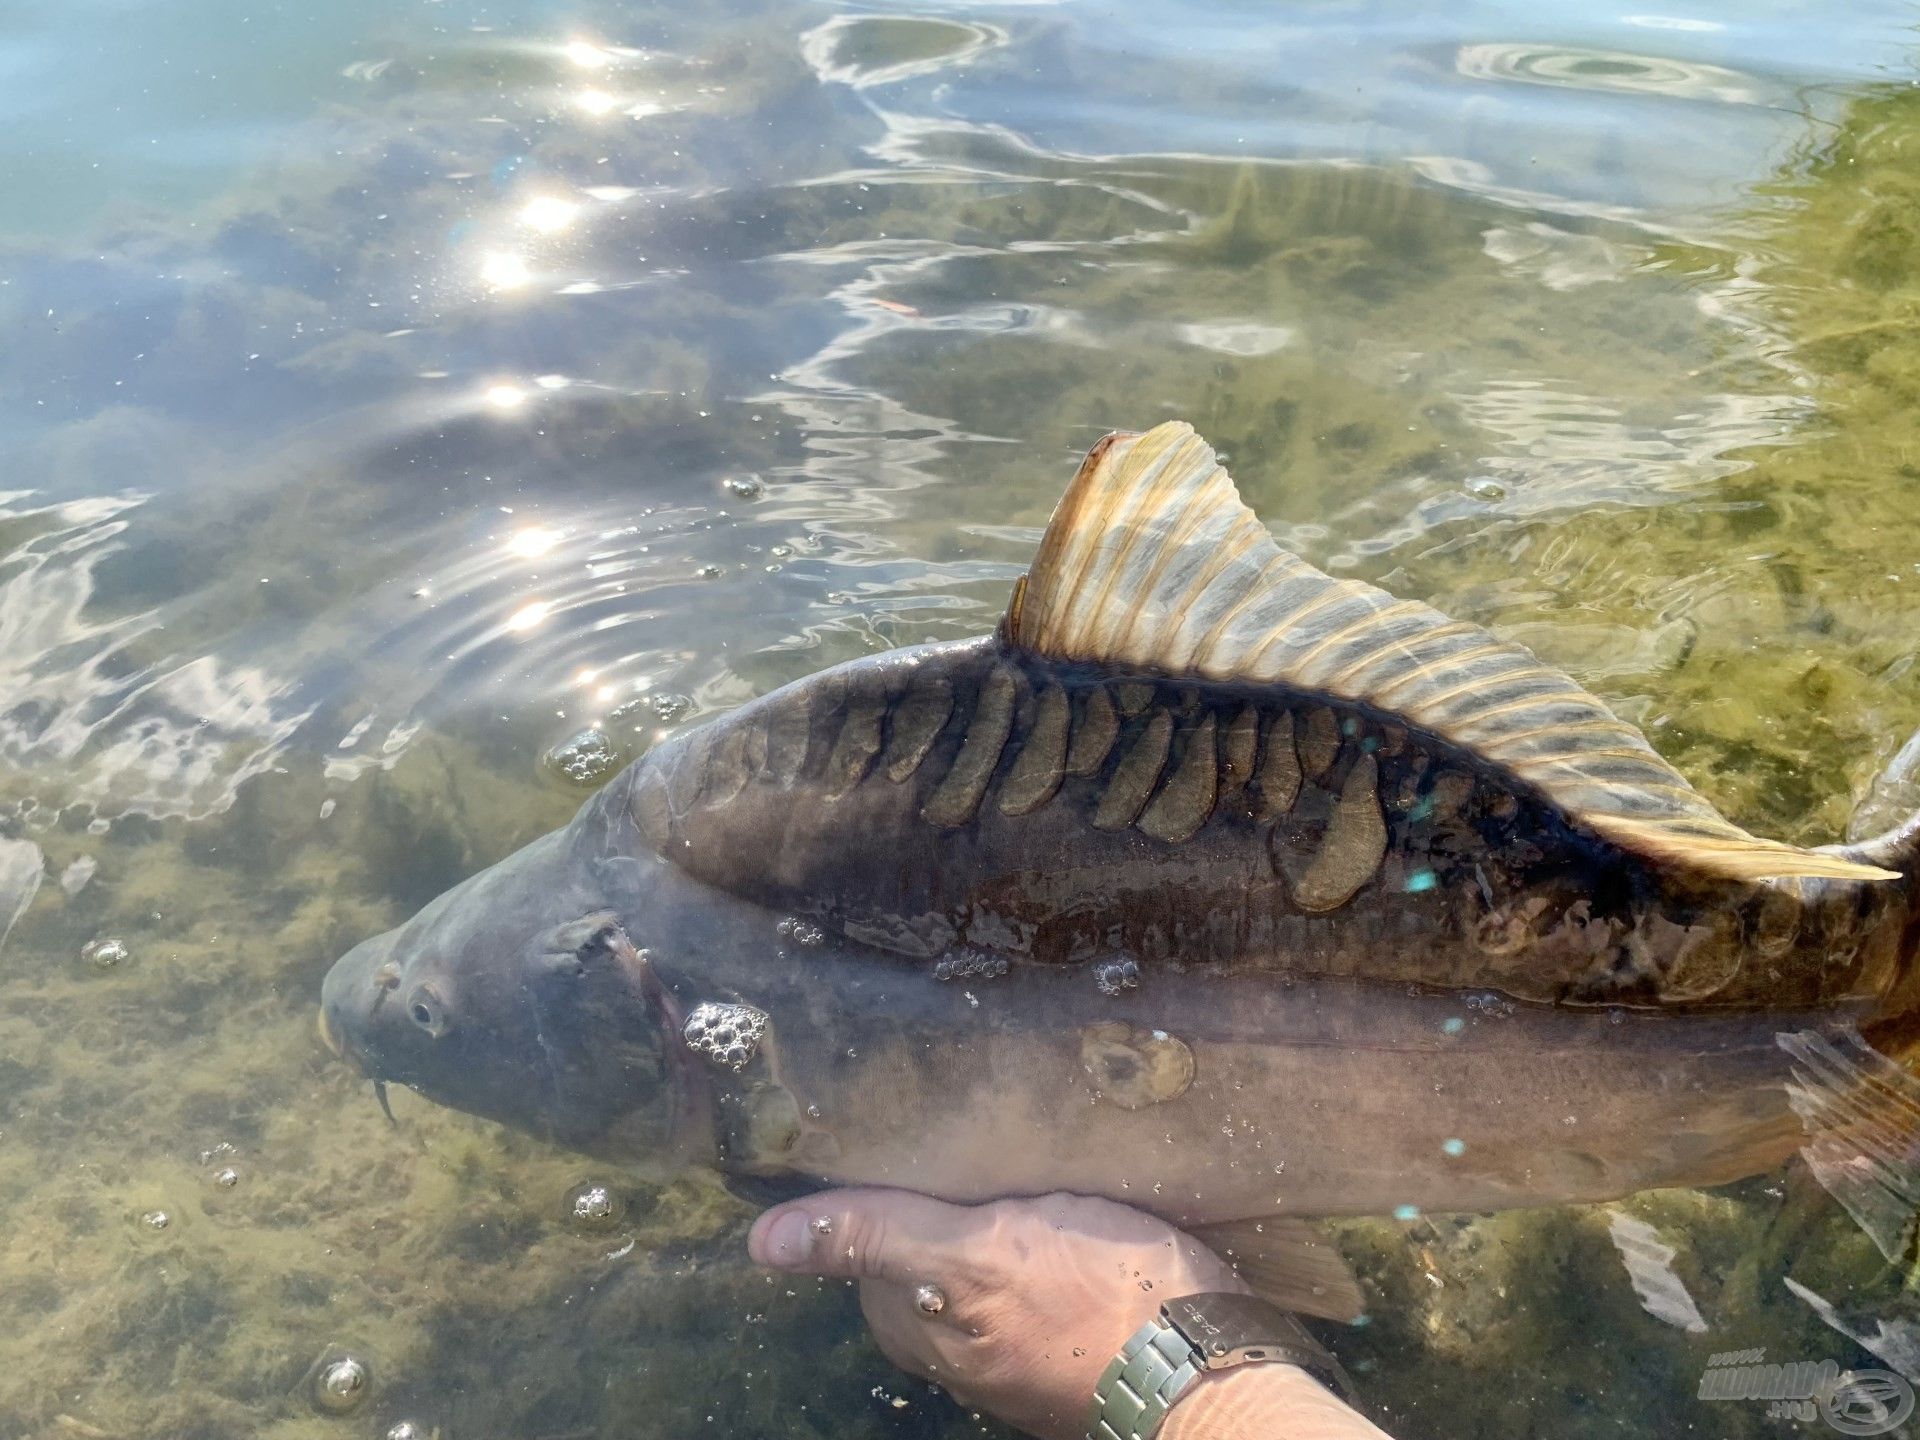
(1406, 1212)
(1421, 880)
(1455, 1148)
(1421, 809)
(1453, 1025)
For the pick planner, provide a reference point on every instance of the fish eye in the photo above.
(426, 1010)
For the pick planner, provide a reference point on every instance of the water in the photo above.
(390, 393)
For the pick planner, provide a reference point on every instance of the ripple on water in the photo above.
(1577, 68)
(100, 699)
(869, 50)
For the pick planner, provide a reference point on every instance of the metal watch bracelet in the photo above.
(1191, 1336)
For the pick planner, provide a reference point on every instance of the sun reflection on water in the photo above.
(528, 616)
(533, 541)
(504, 270)
(549, 214)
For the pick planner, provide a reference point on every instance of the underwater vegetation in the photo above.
(248, 721)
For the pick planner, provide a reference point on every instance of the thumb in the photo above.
(864, 1234)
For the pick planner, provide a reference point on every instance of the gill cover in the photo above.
(609, 1031)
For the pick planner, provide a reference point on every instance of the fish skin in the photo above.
(1467, 995)
(1478, 881)
(917, 1084)
(891, 1076)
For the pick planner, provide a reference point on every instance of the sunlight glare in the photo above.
(528, 616)
(548, 214)
(587, 55)
(533, 541)
(504, 270)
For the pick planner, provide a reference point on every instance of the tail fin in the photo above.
(1892, 809)
(1898, 849)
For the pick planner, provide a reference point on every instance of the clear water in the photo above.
(389, 392)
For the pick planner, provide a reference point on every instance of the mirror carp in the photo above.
(1209, 883)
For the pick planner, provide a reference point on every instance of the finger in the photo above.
(902, 1334)
(915, 1344)
(867, 1234)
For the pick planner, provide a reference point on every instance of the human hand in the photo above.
(1039, 1294)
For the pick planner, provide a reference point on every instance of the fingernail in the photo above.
(786, 1244)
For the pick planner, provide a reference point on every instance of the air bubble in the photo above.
(341, 1384)
(585, 758)
(594, 1206)
(671, 705)
(105, 954)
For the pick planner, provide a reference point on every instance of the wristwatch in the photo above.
(1191, 1336)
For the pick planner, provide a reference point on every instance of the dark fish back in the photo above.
(976, 801)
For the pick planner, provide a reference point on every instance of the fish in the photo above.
(1208, 882)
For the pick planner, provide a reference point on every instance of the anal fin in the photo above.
(1862, 1115)
(1284, 1260)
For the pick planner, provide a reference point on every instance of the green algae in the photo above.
(1396, 390)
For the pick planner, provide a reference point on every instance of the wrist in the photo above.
(1266, 1401)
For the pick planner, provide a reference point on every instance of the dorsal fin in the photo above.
(1152, 561)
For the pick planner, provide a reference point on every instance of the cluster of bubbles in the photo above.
(971, 965)
(801, 932)
(593, 1206)
(728, 1035)
(586, 758)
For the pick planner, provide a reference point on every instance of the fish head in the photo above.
(518, 997)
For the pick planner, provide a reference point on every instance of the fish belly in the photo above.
(1206, 1098)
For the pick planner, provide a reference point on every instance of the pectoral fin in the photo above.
(1285, 1261)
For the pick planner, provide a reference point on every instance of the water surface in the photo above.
(390, 392)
